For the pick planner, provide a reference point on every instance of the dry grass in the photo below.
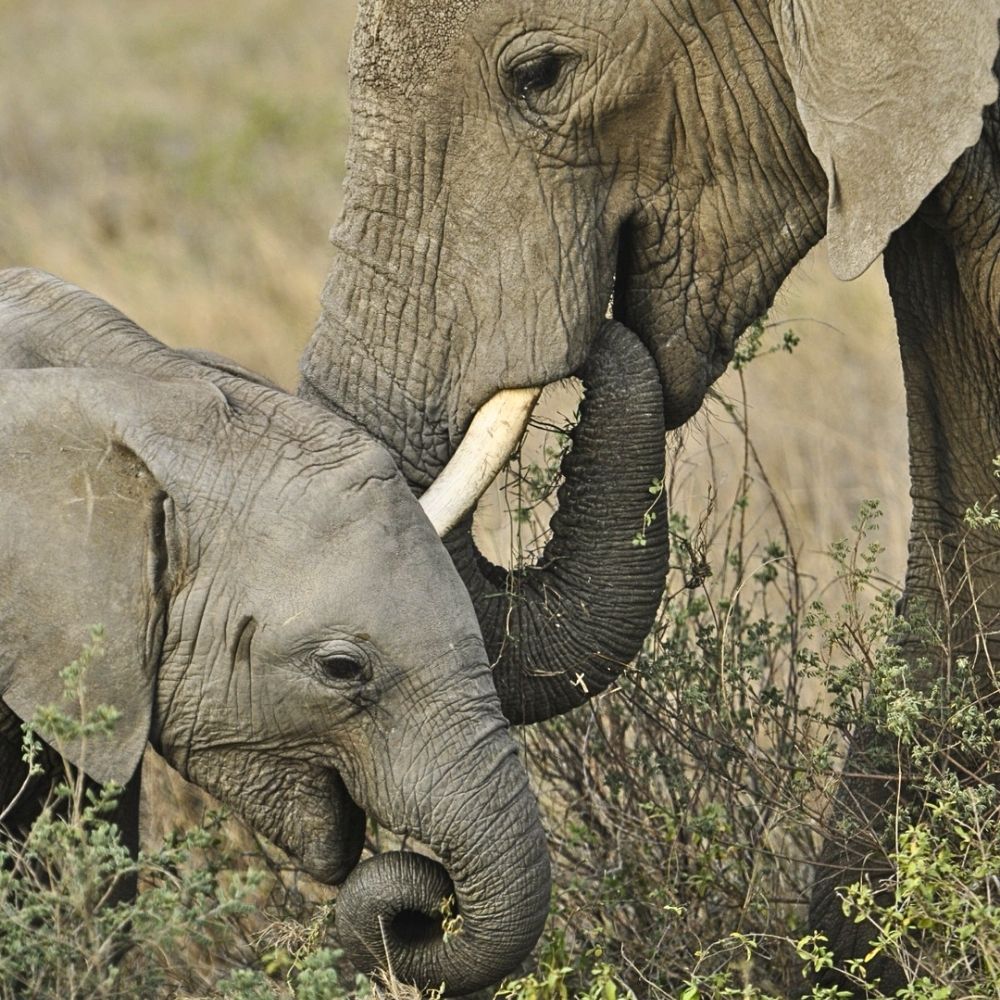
(181, 160)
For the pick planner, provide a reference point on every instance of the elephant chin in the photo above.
(689, 356)
(314, 818)
(328, 839)
(686, 374)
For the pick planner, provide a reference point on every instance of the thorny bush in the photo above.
(688, 805)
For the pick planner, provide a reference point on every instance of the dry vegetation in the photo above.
(183, 160)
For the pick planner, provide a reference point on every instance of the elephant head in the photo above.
(514, 167)
(282, 623)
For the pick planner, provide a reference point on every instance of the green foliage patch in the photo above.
(66, 933)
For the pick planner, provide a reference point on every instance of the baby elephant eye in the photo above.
(341, 667)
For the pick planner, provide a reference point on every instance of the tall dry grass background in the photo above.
(184, 161)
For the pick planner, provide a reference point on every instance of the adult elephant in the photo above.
(515, 167)
(512, 169)
(941, 270)
(282, 623)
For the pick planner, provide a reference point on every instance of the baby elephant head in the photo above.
(284, 625)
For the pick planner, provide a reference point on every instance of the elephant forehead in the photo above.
(397, 41)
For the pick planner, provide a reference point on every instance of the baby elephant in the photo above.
(282, 624)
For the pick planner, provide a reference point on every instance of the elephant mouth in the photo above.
(331, 850)
(686, 372)
(494, 433)
(690, 347)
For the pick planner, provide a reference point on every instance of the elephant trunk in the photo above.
(562, 631)
(471, 918)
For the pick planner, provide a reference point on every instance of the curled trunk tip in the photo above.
(400, 913)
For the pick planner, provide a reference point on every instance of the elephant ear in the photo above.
(890, 94)
(82, 543)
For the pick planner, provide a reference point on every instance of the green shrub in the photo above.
(64, 935)
(686, 808)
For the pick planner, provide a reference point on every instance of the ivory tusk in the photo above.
(493, 434)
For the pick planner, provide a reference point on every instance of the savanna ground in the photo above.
(184, 161)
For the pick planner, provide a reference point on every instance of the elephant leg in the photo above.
(940, 271)
(24, 796)
(125, 816)
(855, 851)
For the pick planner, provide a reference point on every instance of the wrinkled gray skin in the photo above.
(511, 165)
(282, 624)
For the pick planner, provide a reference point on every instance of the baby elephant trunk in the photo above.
(467, 921)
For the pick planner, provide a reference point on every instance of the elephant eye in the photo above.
(342, 665)
(341, 668)
(532, 77)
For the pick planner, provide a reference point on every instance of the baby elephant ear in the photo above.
(81, 544)
(890, 94)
